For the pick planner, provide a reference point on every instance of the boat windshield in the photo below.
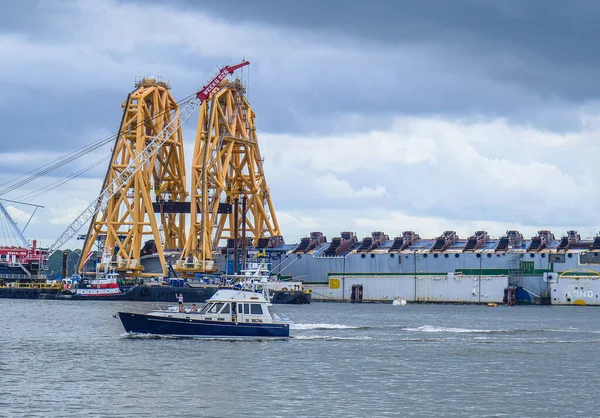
(216, 307)
(206, 307)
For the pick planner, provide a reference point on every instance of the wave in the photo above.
(437, 329)
(134, 335)
(329, 337)
(323, 326)
(431, 328)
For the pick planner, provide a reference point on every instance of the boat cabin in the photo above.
(232, 306)
(236, 306)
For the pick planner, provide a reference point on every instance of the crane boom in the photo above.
(228, 69)
(13, 226)
(143, 157)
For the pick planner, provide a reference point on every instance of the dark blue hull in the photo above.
(27, 293)
(291, 297)
(148, 294)
(148, 324)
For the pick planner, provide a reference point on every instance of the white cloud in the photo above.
(331, 187)
(20, 216)
(457, 182)
(346, 153)
(454, 187)
(296, 221)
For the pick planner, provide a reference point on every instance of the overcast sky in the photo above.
(425, 115)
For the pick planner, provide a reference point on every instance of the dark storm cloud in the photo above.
(532, 62)
(552, 39)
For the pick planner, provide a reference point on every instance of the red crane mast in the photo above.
(228, 69)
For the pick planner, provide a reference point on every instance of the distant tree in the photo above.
(55, 266)
(55, 263)
(73, 260)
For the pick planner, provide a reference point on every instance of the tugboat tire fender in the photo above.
(145, 291)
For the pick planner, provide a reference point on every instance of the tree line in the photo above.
(54, 264)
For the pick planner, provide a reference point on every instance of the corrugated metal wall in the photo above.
(439, 289)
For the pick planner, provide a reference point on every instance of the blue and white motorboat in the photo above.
(227, 314)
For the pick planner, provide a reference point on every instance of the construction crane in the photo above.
(23, 260)
(121, 181)
(230, 200)
(17, 234)
(130, 218)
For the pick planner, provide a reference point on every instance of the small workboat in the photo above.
(257, 277)
(227, 314)
(104, 287)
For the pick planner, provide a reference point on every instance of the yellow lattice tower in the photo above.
(226, 168)
(131, 217)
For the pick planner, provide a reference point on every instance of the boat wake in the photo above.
(134, 336)
(323, 326)
(437, 329)
(328, 338)
(431, 328)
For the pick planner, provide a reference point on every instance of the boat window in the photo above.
(256, 309)
(225, 308)
(246, 308)
(240, 308)
(216, 307)
(206, 307)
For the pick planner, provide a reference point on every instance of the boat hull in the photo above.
(28, 293)
(156, 325)
(291, 297)
(134, 294)
(115, 296)
(578, 290)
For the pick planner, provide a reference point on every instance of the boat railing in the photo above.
(32, 285)
(17, 277)
(141, 308)
(145, 308)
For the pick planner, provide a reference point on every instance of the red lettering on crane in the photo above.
(206, 90)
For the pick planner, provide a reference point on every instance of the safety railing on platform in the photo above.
(32, 286)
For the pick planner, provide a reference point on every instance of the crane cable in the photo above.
(28, 197)
(53, 165)
(7, 232)
(62, 161)
(4, 231)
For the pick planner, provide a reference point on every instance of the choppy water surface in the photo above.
(65, 358)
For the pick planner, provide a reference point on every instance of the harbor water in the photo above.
(71, 358)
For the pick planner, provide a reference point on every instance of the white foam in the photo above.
(145, 336)
(321, 326)
(431, 328)
(329, 337)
